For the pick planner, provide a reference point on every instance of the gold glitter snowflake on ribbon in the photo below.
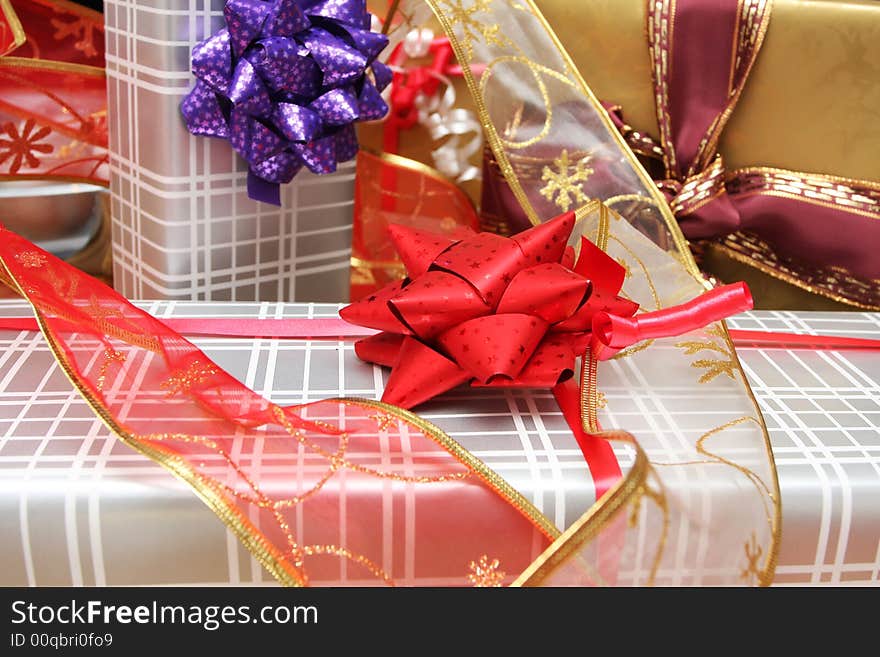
(714, 367)
(196, 373)
(384, 421)
(473, 29)
(565, 184)
(31, 259)
(485, 573)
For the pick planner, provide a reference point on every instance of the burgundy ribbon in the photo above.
(702, 62)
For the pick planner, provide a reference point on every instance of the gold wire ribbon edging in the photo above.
(490, 477)
(52, 65)
(19, 37)
(597, 517)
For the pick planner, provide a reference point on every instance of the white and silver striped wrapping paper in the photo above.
(78, 507)
(183, 225)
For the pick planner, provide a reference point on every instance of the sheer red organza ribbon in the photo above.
(305, 487)
(53, 92)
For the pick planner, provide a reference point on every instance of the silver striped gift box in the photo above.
(183, 225)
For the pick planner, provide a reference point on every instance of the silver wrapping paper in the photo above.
(183, 225)
(77, 507)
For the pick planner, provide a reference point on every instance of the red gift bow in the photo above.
(509, 312)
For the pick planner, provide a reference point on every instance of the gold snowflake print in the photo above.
(714, 367)
(485, 573)
(384, 421)
(752, 571)
(565, 184)
(183, 380)
(31, 259)
(601, 400)
(473, 29)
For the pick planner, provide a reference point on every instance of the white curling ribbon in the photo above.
(417, 43)
(442, 119)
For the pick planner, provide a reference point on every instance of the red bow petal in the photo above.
(606, 273)
(599, 301)
(419, 374)
(546, 242)
(436, 301)
(488, 262)
(498, 345)
(374, 311)
(417, 248)
(549, 291)
(551, 364)
(381, 349)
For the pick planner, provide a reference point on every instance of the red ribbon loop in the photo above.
(612, 333)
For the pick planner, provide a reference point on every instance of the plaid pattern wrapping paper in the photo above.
(183, 225)
(80, 508)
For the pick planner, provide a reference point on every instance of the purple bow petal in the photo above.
(297, 123)
(346, 143)
(371, 105)
(340, 63)
(289, 19)
(368, 43)
(285, 82)
(319, 155)
(284, 68)
(212, 61)
(248, 92)
(245, 19)
(203, 114)
(382, 74)
(337, 107)
(353, 12)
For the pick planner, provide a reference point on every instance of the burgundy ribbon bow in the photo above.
(703, 52)
(497, 311)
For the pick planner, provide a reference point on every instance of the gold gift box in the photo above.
(810, 103)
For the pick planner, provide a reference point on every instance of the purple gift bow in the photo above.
(285, 82)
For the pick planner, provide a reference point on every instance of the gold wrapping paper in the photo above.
(810, 103)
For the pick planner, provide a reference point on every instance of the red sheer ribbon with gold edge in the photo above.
(53, 95)
(340, 492)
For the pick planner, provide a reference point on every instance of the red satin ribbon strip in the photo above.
(299, 328)
(773, 340)
(597, 451)
(333, 328)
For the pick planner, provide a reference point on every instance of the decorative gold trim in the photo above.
(493, 480)
(588, 526)
(50, 65)
(19, 37)
(787, 278)
(769, 571)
